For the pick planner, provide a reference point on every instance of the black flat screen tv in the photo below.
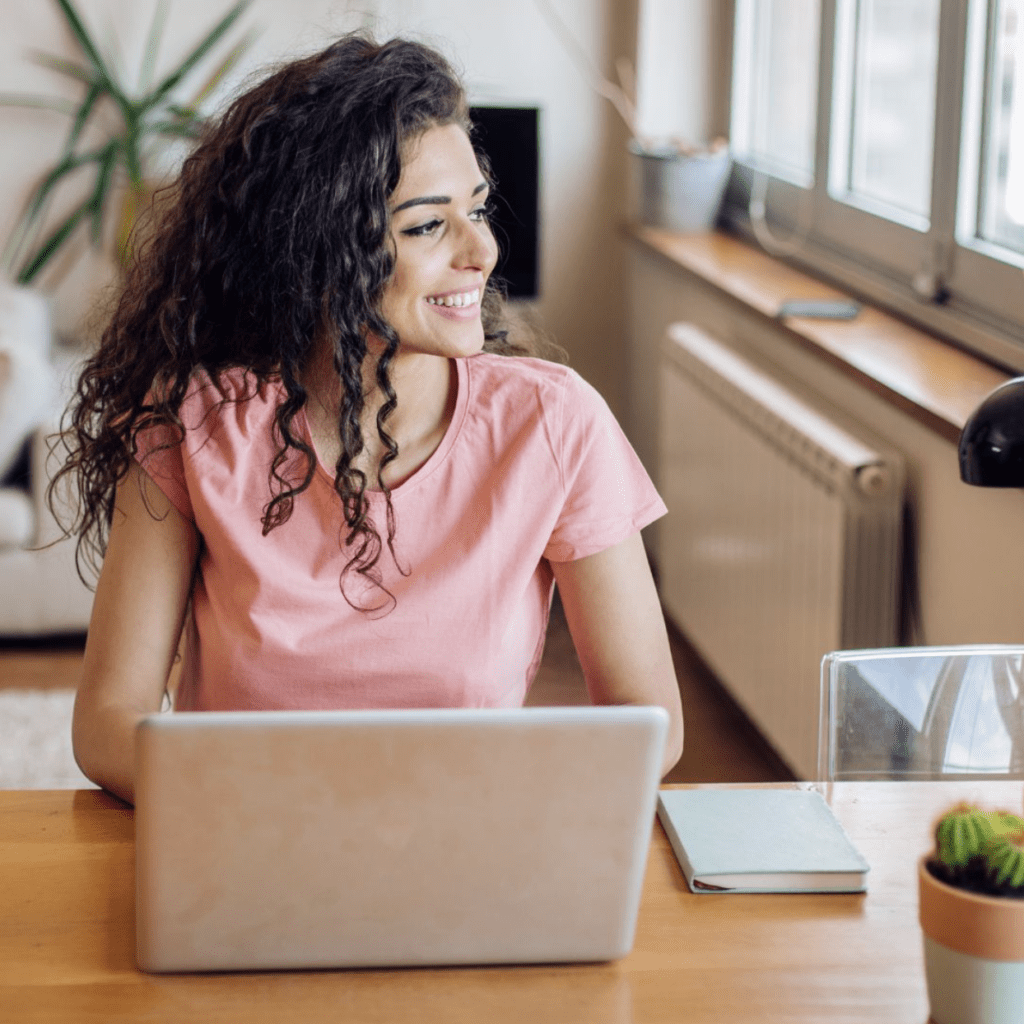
(509, 137)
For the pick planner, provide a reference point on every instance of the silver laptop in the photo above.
(271, 840)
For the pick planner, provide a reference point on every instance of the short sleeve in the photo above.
(607, 494)
(165, 466)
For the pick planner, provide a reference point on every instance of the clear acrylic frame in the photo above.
(922, 713)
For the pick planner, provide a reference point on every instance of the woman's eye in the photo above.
(423, 229)
(483, 213)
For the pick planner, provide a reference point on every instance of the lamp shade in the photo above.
(992, 441)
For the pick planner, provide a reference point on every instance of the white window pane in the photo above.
(894, 102)
(1002, 194)
(782, 84)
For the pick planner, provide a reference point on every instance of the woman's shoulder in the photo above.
(234, 396)
(522, 375)
(530, 382)
(232, 384)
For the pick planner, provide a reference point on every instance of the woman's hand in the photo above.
(618, 627)
(136, 623)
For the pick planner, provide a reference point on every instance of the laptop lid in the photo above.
(270, 840)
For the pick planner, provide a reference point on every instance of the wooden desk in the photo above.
(67, 938)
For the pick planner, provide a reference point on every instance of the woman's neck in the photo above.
(425, 388)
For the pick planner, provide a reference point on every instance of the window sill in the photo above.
(930, 379)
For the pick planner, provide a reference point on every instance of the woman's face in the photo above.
(444, 249)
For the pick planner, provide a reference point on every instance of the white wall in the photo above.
(507, 50)
(683, 54)
(674, 80)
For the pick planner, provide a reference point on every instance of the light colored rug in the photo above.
(35, 741)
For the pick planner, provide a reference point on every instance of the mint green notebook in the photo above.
(759, 840)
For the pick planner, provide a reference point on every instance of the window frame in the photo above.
(963, 288)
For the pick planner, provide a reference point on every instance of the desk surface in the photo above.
(67, 938)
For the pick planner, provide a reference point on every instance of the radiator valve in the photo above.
(873, 480)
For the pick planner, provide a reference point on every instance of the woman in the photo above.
(298, 428)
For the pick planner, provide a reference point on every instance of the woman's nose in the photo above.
(477, 247)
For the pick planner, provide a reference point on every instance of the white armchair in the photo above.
(40, 592)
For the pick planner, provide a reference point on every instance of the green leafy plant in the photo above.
(119, 147)
(982, 851)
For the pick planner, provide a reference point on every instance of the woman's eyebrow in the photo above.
(434, 200)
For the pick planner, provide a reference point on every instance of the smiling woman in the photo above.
(307, 440)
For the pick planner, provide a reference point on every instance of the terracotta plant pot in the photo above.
(973, 953)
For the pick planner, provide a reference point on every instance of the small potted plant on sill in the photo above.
(971, 904)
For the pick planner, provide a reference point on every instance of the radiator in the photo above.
(783, 537)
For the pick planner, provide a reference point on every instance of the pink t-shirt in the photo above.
(533, 469)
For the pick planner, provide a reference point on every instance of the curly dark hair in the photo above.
(276, 234)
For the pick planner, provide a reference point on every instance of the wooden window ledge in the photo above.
(929, 378)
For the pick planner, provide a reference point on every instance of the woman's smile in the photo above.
(457, 306)
(456, 298)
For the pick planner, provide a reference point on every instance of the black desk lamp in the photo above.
(992, 441)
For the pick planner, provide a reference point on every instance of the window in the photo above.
(885, 108)
(775, 108)
(883, 141)
(1001, 196)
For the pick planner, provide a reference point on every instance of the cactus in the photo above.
(982, 851)
(1003, 857)
(960, 835)
(1004, 821)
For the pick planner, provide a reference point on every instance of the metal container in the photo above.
(680, 191)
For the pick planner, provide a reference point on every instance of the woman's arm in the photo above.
(136, 623)
(618, 627)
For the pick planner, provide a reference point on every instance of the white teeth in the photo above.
(461, 299)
